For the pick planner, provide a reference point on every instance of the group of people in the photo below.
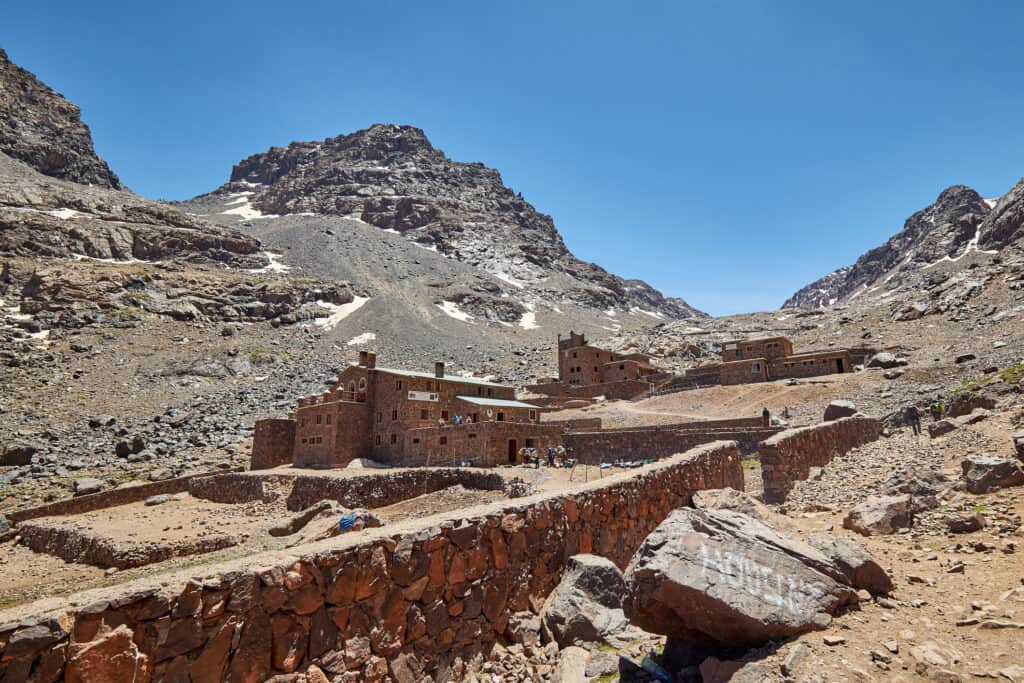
(456, 420)
(530, 456)
(912, 414)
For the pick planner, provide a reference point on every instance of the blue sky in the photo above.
(726, 152)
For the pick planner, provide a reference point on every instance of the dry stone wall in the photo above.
(401, 603)
(654, 442)
(790, 455)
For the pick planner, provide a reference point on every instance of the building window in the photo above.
(476, 417)
(595, 368)
(394, 438)
(398, 385)
(430, 385)
(479, 391)
(472, 436)
(573, 354)
(303, 440)
(328, 419)
(424, 414)
(380, 416)
(622, 367)
(378, 439)
(444, 414)
(318, 418)
(362, 383)
(444, 440)
(490, 392)
(416, 440)
(394, 414)
(755, 367)
(319, 439)
(533, 415)
(501, 417)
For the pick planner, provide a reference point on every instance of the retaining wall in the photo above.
(273, 443)
(789, 456)
(655, 442)
(106, 499)
(403, 603)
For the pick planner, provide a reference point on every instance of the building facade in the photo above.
(402, 417)
(771, 358)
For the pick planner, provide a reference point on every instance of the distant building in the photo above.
(580, 364)
(767, 359)
(405, 417)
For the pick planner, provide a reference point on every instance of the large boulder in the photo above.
(1018, 445)
(881, 515)
(926, 486)
(966, 403)
(886, 360)
(941, 428)
(738, 501)
(984, 473)
(857, 565)
(838, 409)
(586, 606)
(723, 579)
(19, 453)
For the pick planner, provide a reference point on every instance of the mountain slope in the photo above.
(391, 177)
(44, 130)
(960, 222)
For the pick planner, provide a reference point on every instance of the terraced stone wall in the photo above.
(403, 603)
(789, 456)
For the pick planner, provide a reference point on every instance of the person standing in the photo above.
(936, 409)
(766, 418)
(914, 418)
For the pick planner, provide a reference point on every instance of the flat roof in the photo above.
(750, 340)
(496, 402)
(446, 378)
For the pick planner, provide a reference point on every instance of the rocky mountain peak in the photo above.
(392, 177)
(42, 129)
(948, 228)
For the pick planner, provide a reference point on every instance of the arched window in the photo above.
(362, 384)
(352, 386)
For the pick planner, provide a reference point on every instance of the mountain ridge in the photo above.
(391, 176)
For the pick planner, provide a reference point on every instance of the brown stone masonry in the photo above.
(655, 442)
(402, 602)
(272, 443)
(789, 456)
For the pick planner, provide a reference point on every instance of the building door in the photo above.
(839, 365)
(512, 451)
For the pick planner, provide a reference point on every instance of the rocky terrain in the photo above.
(44, 130)
(391, 177)
(958, 225)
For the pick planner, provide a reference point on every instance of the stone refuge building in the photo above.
(586, 371)
(403, 417)
(763, 360)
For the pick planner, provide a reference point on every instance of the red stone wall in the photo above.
(105, 499)
(608, 446)
(486, 443)
(810, 365)
(272, 444)
(382, 603)
(789, 455)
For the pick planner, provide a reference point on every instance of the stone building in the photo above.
(763, 360)
(405, 417)
(580, 364)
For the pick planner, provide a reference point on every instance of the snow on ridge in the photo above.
(992, 202)
(274, 266)
(360, 339)
(505, 277)
(241, 206)
(653, 314)
(971, 246)
(529, 319)
(65, 213)
(452, 310)
(339, 312)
